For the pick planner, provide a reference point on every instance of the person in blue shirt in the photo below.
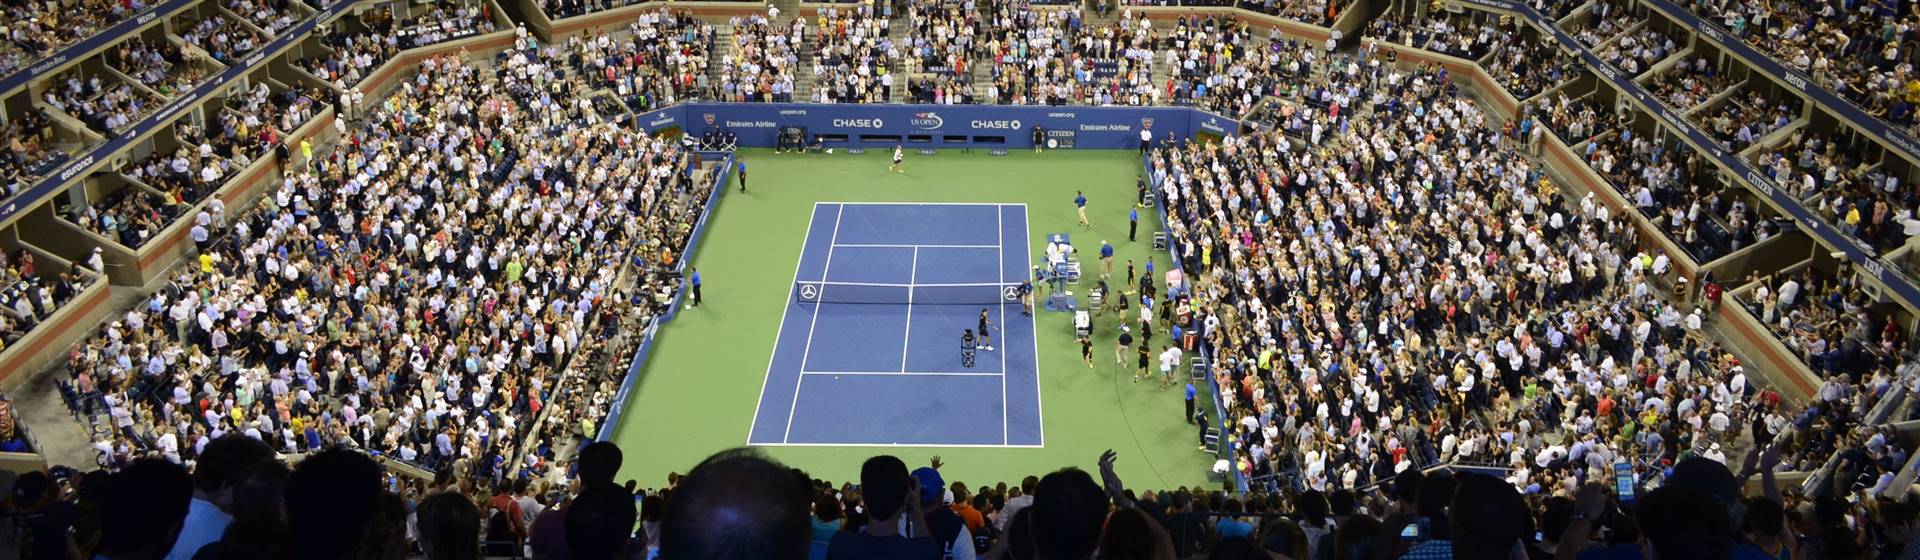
(1133, 224)
(1232, 527)
(1080, 203)
(743, 175)
(1190, 394)
(1106, 259)
(693, 281)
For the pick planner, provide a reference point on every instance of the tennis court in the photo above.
(868, 348)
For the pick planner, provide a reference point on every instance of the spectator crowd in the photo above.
(1383, 283)
(417, 291)
(1355, 335)
(241, 501)
(661, 61)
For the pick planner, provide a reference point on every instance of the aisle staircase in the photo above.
(722, 46)
(803, 82)
(897, 30)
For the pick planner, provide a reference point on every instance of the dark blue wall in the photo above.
(954, 126)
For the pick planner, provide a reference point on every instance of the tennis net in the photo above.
(986, 293)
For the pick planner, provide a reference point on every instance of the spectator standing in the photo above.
(1016, 503)
(448, 526)
(943, 524)
(890, 494)
(145, 507)
(505, 520)
(738, 505)
(217, 471)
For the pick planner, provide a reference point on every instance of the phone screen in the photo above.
(1623, 481)
(1416, 530)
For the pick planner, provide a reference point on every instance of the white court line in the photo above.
(908, 373)
(915, 246)
(765, 380)
(808, 349)
(938, 445)
(1000, 249)
(906, 333)
(891, 285)
(1039, 409)
(869, 203)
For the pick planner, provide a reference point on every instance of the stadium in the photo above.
(1305, 279)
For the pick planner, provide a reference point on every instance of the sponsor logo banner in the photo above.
(858, 123)
(926, 120)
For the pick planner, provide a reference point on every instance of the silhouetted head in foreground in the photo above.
(737, 505)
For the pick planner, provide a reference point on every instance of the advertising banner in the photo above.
(659, 119)
(935, 126)
(1060, 139)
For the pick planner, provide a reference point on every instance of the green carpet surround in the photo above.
(699, 389)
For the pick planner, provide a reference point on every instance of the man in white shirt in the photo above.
(220, 467)
(1788, 292)
(1168, 360)
(1017, 503)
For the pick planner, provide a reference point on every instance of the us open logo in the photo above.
(707, 117)
(1146, 122)
(927, 120)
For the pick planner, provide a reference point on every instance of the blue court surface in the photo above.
(868, 351)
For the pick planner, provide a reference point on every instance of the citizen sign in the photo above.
(858, 123)
(1758, 182)
(997, 125)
